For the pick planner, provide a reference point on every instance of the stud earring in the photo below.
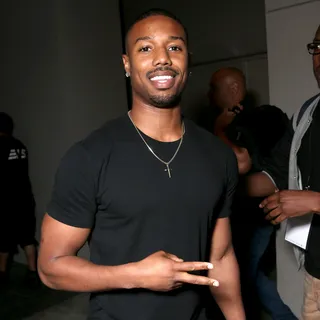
(127, 74)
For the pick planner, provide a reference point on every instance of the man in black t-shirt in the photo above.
(151, 192)
(17, 216)
(298, 154)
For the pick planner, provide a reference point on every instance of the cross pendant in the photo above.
(168, 170)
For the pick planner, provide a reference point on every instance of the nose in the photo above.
(162, 57)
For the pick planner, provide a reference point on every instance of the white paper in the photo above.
(298, 229)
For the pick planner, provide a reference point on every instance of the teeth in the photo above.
(159, 78)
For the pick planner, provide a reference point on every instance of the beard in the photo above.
(165, 101)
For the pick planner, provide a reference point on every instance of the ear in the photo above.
(234, 87)
(126, 63)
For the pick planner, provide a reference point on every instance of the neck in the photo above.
(157, 123)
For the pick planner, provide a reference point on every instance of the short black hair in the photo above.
(6, 123)
(156, 12)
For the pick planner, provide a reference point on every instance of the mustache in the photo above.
(161, 69)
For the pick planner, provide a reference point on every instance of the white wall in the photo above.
(290, 26)
(64, 78)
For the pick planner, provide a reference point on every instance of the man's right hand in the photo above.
(163, 271)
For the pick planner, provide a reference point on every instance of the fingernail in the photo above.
(215, 283)
(210, 266)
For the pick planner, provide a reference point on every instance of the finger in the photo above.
(278, 219)
(273, 214)
(271, 198)
(198, 280)
(173, 257)
(264, 203)
(192, 266)
(271, 206)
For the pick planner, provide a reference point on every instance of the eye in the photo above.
(175, 48)
(314, 48)
(145, 49)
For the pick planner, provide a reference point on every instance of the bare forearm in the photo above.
(73, 273)
(228, 294)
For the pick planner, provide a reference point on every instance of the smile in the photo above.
(161, 78)
(163, 81)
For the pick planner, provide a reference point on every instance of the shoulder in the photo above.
(301, 111)
(100, 142)
(18, 143)
(98, 145)
(312, 99)
(307, 103)
(105, 136)
(10, 142)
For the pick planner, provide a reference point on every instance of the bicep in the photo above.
(59, 239)
(221, 242)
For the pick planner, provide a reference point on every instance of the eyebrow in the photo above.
(150, 38)
(142, 39)
(177, 38)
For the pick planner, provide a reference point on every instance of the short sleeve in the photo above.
(230, 185)
(277, 166)
(73, 200)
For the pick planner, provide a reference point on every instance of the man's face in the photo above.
(157, 61)
(316, 58)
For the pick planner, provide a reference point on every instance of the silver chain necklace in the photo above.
(166, 163)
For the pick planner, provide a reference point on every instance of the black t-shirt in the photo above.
(308, 159)
(112, 183)
(15, 184)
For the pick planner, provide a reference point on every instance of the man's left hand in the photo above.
(290, 203)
